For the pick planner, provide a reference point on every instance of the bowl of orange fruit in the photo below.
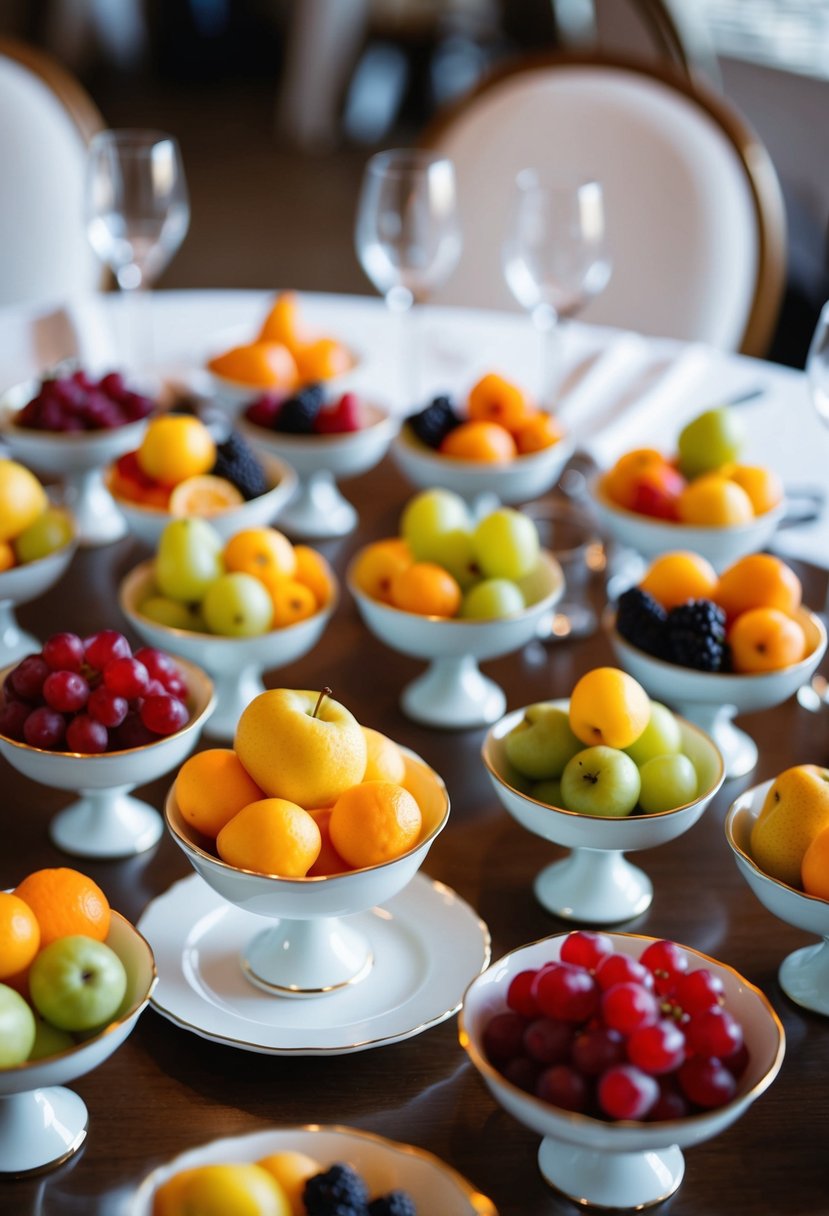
(308, 819)
(496, 444)
(714, 646)
(280, 355)
(779, 835)
(454, 592)
(183, 466)
(239, 607)
(702, 497)
(74, 979)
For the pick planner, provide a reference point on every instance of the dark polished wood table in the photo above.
(166, 1089)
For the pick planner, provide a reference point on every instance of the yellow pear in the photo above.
(795, 810)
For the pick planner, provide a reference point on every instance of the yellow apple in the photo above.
(795, 810)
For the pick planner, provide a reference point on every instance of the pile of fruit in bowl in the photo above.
(30, 527)
(282, 355)
(80, 402)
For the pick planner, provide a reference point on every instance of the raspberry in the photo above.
(236, 462)
(339, 1191)
(696, 635)
(641, 621)
(296, 415)
(433, 424)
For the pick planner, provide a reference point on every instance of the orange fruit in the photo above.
(713, 501)
(7, 558)
(375, 566)
(212, 787)
(167, 1199)
(374, 822)
(19, 935)
(329, 860)
(292, 1170)
(263, 552)
(292, 602)
(763, 486)
(384, 759)
(261, 364)
(620, 483)
(814, 869)
(313, 570)
(674, 578)
(427, 589)
(65, 903)
(765, 639)
(176, 447)
(322, 360)
(494, 399)
(539, 430)
(204, 495)
(486, 442)
(608, 707)
(282, 324)
(759, 580)
(271, 836)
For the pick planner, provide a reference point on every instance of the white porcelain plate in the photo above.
(428, 945)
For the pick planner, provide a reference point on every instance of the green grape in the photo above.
(172, 613)
(661, 737)
(189, 558)
(506, 544)
(430, 514)
(491, 599)
(237, 606)
(455, 551)
(667, 782)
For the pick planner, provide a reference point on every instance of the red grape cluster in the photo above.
(93, 695)
(81, 403)
(616, 1037)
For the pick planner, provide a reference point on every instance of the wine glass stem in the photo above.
(137, 325)
(407, 342)
(549, 325)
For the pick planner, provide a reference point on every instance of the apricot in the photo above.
(765, 639)
(713, 501)
(282, 324)
(293, 601)
(620, 481)
(539, 430)
(376, 565)
(322, 360)
(759, 580)
(315, 572)
(674, 578)
(494, 399)
(427, 589)
(486, 442)
(763, 486)
(607, 706)
(260, 364)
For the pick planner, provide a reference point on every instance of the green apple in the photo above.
(661, 737)
(189, 559)
(548, 791)
(237, 606)
(455, 551)
(173, 613)
(600, 781)
(77, 982)
(49, 532)
(17, 1028)
(429, 515)
(709, 441)
(506, 544)
(667, 782)
(542, 742)
(492, 599)
(49, 1040)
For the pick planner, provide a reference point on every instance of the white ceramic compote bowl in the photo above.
(235, 664)
(596, 884)
(318, 509)
(79, 459)
(626, 1164)
(107, 821)
(804, 975)
(147, 522)
(311, 950)
(713, 699)
(453, 692)
(21, 584)
(41, 1122)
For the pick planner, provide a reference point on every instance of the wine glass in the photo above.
(554, 256)
(408, 236)
(137, 208)
(815, 694)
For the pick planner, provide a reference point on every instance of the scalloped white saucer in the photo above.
(427, 944)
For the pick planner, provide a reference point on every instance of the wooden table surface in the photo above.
(166, 1089)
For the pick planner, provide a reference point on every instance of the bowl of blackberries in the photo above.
(492, 442)
(325, 438)
(715, 645)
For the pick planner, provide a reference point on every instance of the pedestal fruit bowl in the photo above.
(632, 1162)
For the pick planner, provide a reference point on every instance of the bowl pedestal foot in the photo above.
(40, 1128)
(594, 886)
(453, 693)
(98, 520)
(307, 958)
(611, 1180)
(106, 823)
(739, 751)
(804, 977)
(234, 692)
(317, 509)
(15, 643)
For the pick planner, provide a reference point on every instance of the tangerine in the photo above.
(261, 364)
(19, 935)
(329, 861)
(204, 495)
(314, 571)
(713, 501)
(263, 552)
(539, 431)
(765, 639)
(384, 759)
(271, 836)
(65, 903)
(292, 602)
(621, 481)
(494, 399)
(674, 578)
(375, 567)
(212, 787)
(484, 442)
(763, 486)
(427, 589)
(322, 360)
(176, 447)
(374, 822)
(759, 580)
(292, 1170)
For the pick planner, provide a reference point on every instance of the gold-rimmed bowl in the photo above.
(43, 1123)
(626, 1164)
(311, 949)
(106, 821)
(596, 884)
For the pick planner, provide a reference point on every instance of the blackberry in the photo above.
(296, 415)
(236, 462)
(396, 1203)
(641, 621)
(696, 635)
(433, 424)
(339, 1191)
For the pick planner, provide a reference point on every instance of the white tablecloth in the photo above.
(619, 390)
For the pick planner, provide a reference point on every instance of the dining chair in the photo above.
(48, 120)
(695, 215)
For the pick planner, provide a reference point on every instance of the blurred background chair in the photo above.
(695, 216)
(48, 120)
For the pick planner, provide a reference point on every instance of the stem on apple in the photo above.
(326, 692)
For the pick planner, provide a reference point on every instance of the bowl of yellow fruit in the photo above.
(604, 773)
(455, 592)
(779, 835)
